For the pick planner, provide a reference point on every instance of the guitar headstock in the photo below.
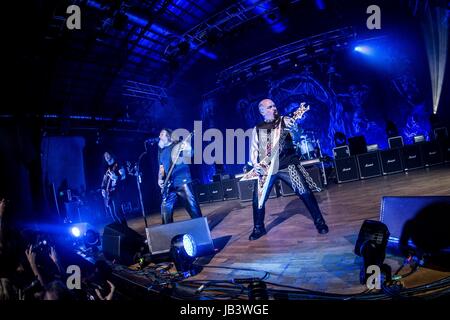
(300, 111)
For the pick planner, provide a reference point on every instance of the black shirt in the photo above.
(181, 173)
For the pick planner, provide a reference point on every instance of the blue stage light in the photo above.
(363, 49)
(76, 232)
(189, 245)
(183, 252)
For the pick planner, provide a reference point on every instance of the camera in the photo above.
(41, 247)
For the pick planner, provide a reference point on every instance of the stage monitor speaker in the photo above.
(369, 165)
(412, 157)
(121, 243)
(216, 191)
(357, 145)
(230, 189)
(395, 142)
(391, 161)
(159, 237)
(246, 190)
(346, 169)
(341, 152)
(396, 211)
(432, 154)
(202, 191)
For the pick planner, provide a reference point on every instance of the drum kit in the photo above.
(308, 146)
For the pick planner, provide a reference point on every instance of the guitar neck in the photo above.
(176, 160)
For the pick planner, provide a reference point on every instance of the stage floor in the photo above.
(292, 251)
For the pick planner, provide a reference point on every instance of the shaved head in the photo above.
(267, 109)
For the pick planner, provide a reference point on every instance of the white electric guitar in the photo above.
(267, 163)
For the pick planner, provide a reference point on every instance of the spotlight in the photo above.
(183, 251)
(371, 246)
(363, 49)
(91, 239)
(76, 232)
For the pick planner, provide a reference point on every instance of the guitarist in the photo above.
(180, 181)
(112, 188)
(288, 166)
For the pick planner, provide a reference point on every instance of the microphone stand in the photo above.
(137, 173)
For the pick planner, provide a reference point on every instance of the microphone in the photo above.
(152, 140)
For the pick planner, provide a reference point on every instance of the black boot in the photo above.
(313, 207)
(322, 228)
(258, 232)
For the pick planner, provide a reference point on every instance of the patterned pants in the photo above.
(295, 178)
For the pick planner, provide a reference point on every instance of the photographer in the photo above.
(31, 257)
(98, 284)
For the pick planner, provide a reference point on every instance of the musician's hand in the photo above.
(160, 183)
(103, 193)
(110, 295)
(290, 123)
(186, 146)
(259, 169)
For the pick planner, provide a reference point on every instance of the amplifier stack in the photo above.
(398, 158)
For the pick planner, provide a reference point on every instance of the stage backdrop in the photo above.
(348, 93)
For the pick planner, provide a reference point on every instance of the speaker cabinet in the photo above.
(341, 152)
(313, 171)
(395, 142)
(369, 165)
(121, 243)
(391, 161)
(216, 191)
(230, 189)
(412, 157)
(346, 169)
(285, 189)
(357, 145)
(432, 154)
(159, 237)
(446, 150)
(202, 191)
(440, 133)
(395, 211)
(246, 190)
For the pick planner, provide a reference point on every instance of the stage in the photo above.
(292, 252)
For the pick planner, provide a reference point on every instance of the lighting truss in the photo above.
(222, 22)
(295, 51)
(143, 91)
